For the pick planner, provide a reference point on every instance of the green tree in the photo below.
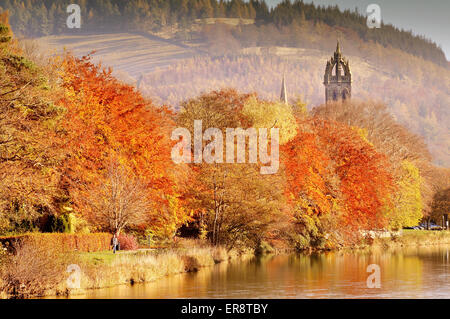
(407, 201)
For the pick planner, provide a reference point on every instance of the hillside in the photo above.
(173, 71)
(177, 49)
(34, 18)
(133, 54)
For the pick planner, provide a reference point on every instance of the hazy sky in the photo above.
(426, 17)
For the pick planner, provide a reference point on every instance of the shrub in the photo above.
(32, 270)
(264, 248)
(128, 242)
(66, 242)
(219, 254)
(3, 253)
(58, 224)
(190, 263)
(4, 34)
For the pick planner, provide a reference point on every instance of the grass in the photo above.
(426, 236)
(99, 257)
(107, 256)
(105, 269)
(412, 237)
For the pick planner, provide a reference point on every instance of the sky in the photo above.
(425, 17)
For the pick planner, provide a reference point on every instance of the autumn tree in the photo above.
(237, 203)
(107, 119)
(441, 199)
(407, 153)
(30, 146)
(407, 208)
(441, 204)
(365, 179)
(337, 183)
(119, 199)
(264, 114)
(5, 29)
(380, 128)
(309, 190)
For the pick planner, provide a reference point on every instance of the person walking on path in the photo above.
(115, 242)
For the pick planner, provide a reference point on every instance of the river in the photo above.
(419, 272)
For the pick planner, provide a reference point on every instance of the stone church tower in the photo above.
(338, 78)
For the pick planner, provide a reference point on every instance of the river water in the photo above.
(420, 272)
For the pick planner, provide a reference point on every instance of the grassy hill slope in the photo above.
(128, 53)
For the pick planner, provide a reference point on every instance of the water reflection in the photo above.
(421, 272)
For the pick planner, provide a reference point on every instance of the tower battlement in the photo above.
(337, 78)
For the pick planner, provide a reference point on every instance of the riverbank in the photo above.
(410, 238)
(413, 272)
(399, 239)
(35, 273)
(104, 269)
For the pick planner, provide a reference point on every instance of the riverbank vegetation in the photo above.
(83, 153)
(413, 238)
(40, 269)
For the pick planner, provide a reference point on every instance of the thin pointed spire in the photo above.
(338, 48)
(283, 96)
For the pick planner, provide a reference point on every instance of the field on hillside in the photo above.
(130, 54)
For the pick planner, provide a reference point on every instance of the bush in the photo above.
(307, 232)
(65, 242)
(128, 242)
(264, 248)
(32, 270)
(58, 224)
(190, 263)
(3, 253)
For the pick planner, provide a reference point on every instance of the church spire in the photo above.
(338, 48)
(283, 95)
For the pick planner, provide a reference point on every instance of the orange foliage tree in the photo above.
(306, 167)
(332, 172)
(107, 121)
(365, 181)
